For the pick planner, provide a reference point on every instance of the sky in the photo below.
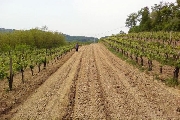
(92, 18)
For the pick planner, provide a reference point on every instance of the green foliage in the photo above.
(177, 63)
(154, 46)
(178, 2)
(33, 38)
(24, 56)
(171, 82)
(163, 17)
(131, 21)
(145, 23)
(3, 73)
(31, 66)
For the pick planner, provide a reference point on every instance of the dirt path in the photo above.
(95, 84)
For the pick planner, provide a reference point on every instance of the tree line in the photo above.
(164, 16)
(37, 38)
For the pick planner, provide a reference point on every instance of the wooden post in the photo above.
(176, 73)
(45, 62)
(161, 69)
(22, 74)
(11, 75)
(39, 67)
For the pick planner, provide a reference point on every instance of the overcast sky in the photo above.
(95, 18)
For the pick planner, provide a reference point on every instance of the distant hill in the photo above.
(6, 30)
(80, 38)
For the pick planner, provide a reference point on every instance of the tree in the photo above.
(132, 20)
(178, 2)
(145, 23)
(175, 24)
(156, 19)
(122, 32)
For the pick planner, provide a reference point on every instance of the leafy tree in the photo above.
(178, 2)
(163, 17)
(145, 23)
(132, 20)
(122, 32)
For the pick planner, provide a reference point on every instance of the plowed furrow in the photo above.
(89, 102)
(72, 94)
(95, 84)
(51, 99)
(154, 99)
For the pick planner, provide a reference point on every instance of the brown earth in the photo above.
(95, 84)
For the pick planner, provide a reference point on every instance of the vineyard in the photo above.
(90, 84)
(26, 49)
(147, 48)
(50, 75)
(21, 59)
(45, 82)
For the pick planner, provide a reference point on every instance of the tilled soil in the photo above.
(95, 84)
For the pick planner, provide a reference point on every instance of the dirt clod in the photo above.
(178, 109)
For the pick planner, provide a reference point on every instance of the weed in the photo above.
(171, 82)
(7, 90)
(142, 68)
(156, 77)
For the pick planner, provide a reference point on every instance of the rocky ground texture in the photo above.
(95, 84)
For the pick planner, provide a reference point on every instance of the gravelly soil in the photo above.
(95, 84)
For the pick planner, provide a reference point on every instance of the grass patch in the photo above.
(132, 62)
(142, 68)
(156, 76)
(117, 54)
(7, 90)
(171, 82)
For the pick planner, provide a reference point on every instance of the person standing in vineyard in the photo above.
(77, 46)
